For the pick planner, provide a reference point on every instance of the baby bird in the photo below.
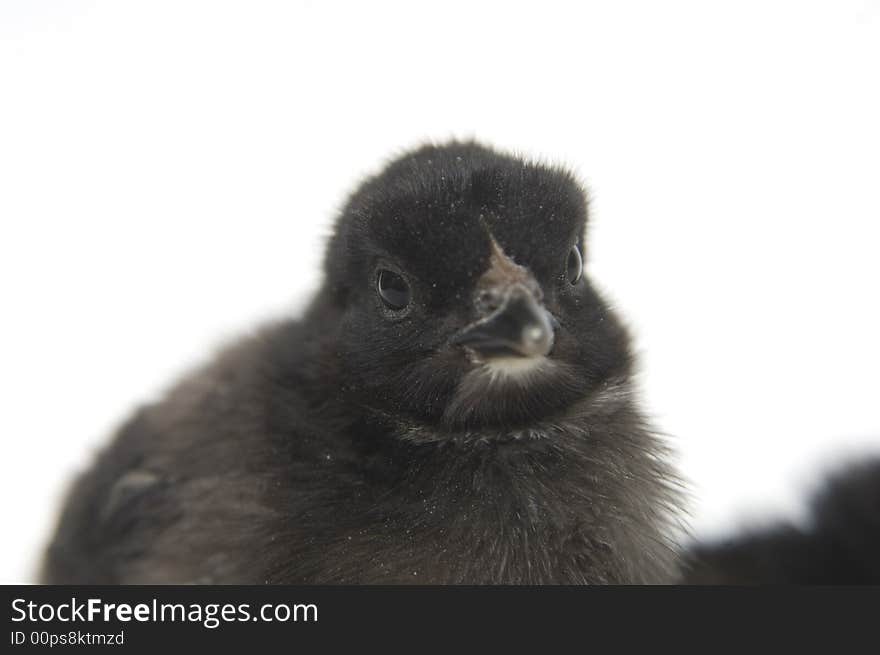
(454, 406)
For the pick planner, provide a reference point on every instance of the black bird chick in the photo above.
(455, 406)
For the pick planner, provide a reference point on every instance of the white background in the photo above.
(168, 171)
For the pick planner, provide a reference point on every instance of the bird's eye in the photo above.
(574, 265)
(392, 289)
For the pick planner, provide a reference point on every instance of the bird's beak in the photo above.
(518, 326)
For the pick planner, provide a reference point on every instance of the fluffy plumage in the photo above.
(485, 433)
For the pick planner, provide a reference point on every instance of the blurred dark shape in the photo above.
(839, 546)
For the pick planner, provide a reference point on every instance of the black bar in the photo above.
(417, 617)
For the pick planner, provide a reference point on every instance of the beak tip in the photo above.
(537, 340)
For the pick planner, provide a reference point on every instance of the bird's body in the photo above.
(455, 406)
